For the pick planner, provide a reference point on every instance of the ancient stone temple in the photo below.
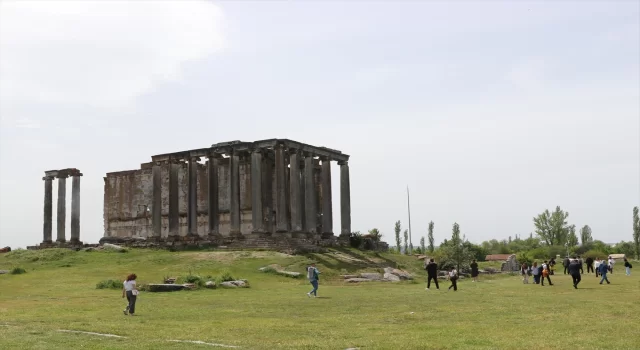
(61, 175)
(230, 192)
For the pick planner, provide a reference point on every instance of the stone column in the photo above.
(257, 218)
(62, 207)
(310, 217)
(294, 188)
(47, 226)
(156, 204)
(267, 190)
(303, 186)
(174, 214)
(75, 207)
(327, 207)
(281, 188)
(192, 197)
(214, 215)
(345, 199)
(234, 198)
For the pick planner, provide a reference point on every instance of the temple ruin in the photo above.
(47, 230)
(262, 194)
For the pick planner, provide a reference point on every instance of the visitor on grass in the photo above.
(474, 271)
(432, 273)
(129, 290)
(453, 277)
(525, 272)
(545, 273)
(603, 272)
(535, 271)
(552, 266)
(565, 263)
(312, 275)
(627, 266)
(574, 271)
(589, 262)
(597, 263)
(611, 263)
(581, 264)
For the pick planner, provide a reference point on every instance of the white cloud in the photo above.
(101, 53)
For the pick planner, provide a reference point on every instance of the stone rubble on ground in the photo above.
(210, 284)
(280, 271)
(2, 272)
(114, 247)
(390, 275)
(235, 284)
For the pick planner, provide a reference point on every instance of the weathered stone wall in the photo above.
(128, 196)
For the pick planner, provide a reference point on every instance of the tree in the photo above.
(636, 232)
(406, 241)
(572, 238)
(398, 229)
(552, 227)
(431, 240)
(422, 247)
(456, 243)
(456, 252)
(375, 234)
(585, 235)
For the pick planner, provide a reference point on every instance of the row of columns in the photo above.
(47, 230)
(300, 192)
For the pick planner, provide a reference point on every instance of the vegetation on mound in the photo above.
(109, 284)
(18, 270)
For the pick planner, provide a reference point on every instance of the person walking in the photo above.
(453, 277)
(432, 274)
(474, 271)
(597, 263)
(611, 263)
(545, 273)
(581, 264)
(565, 263)
(627, 267)
(589, 262)
(552, 266)
(524, 271)
(535, 271)
(131, 293)
(603, 272)
(312, 275)
(574, 271)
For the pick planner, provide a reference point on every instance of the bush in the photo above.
(18, 271)
(109, 284)
(226, 277)
(523, 257)
(355, 239)
(195, 279)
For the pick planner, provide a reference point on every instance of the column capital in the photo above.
(62, 175)
(48, 177)
(325, 158)
(194, 159)
(343, 162)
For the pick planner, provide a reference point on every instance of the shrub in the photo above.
(195, 279)
(109, 284)
(18, 271)
(523, 257)
(226, 276)
(355, 239)
(594, 254)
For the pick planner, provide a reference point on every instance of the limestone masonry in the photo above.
(255, 194)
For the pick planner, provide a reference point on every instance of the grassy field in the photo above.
(58, 292)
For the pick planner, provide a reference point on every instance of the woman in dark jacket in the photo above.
(627, 266)
(474, 271)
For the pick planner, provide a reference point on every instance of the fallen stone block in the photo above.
(391, 277)
(349, 276)
(210, 285)
(2, 272)
(114, 247)
(402, 274)
(371, 275)
(235, 284)
(358, 280)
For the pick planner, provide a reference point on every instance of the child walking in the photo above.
(453, 277)
(312, 275)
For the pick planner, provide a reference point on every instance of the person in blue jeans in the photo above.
(312, 275)
(603, 271)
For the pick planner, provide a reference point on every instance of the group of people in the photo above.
(539, 273)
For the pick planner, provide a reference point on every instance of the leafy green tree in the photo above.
(552, 227)
(430, 237)
(406, 241)
(455, 252)
(397, 230)
(636, 232)
(585, 235)
(422, 247)
(572, 238)
(375, 234)
(626, 248)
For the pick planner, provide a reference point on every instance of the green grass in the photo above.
(59, 292)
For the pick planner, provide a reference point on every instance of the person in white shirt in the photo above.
(129, 290)
(597, 264)
(611, 263)
(453, 277)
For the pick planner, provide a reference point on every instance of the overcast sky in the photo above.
(490, 112)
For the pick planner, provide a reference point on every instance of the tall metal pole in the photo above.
(409, 210)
